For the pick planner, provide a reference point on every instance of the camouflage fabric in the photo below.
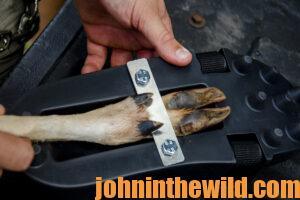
(10, 13)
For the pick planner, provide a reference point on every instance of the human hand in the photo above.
(16, 153)
(143, 26)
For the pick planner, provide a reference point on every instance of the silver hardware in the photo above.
(157, 113)
(248, 59)
(142, 77)
(262, 95)
(37, 149)
(169, 147)
(278, 132)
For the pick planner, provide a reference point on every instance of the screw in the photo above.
(274, 137)
(278, 132)
(142, 77)
(169, 147)
(37, 149)
(40, 155)
(248, 59)
(262, 96)
(197, 20)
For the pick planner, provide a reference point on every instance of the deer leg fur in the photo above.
(123, 122)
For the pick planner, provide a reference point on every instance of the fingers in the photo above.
(2, 110)
(195, 98)
(113, 37)
(120, 57)
(16, 154)
(95, 59)
(164, 42)
(133, 26)
(145, 54)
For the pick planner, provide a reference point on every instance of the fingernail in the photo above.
(182, 53)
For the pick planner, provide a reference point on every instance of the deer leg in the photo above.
(186, 122)
(192, 99)
(123, 122)
(185, 109)
(115, 124)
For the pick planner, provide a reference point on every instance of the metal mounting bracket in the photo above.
(165, 137)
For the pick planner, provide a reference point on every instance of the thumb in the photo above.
(164, 42)
(16, 153)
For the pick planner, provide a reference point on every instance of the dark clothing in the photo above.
(11, 11)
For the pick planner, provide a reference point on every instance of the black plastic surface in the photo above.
(212, 62)
(263, 28)
(82, 93)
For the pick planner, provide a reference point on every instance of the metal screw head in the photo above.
(278, 132)
(248, 59)
(262, 96)
(169, 147)
(197, 21)
(142, 77)
(37, 149)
